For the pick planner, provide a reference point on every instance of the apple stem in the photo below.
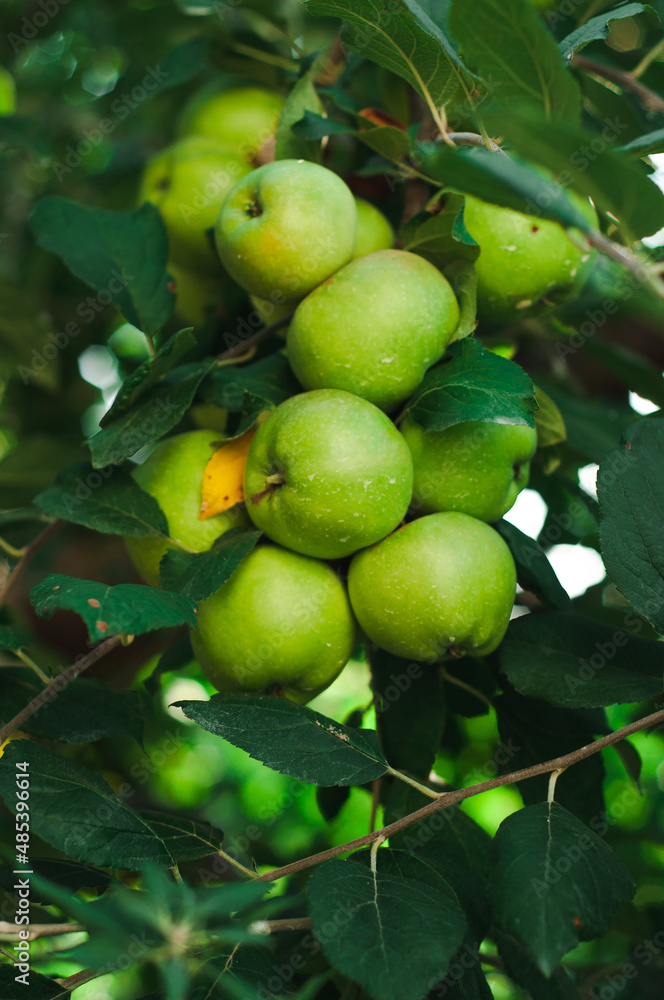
(274, 481)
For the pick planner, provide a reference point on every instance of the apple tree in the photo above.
(327, 329)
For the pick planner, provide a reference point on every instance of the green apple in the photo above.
(188, 182)
(285, 228)
(373, 230)
(282, 624)
(198, 295)
(374, 327)
(270, 310)
(440, 587)
(173, 475)
(243, 119)
(327, 473)
(526, 263)
(476, 467)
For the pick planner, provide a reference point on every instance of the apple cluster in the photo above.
(369, 518)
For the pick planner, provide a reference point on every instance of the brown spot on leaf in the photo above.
(101, 626)
(93, 602)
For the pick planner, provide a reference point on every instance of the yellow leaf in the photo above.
(224, 477)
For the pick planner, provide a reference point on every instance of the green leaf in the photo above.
(129, 608)
(462, 276)
(533, 570)
(27, 469)
(38, 987)
(506, 42)
(412, 713)
(432, 15)
(441, 238)
(14, 637)
(149, 373)
(391, 37)
(633, 370)
(264, 384)
(20, 514)
(644, 145)
(197, 576)
(396, 929)
(523, 971)
(630, 488)
(185, 839)
(81, 713)
(614, 182)
(291, 738)
(314, 127)
(69, 874)
(182, 63)
(76, 812)
(473, 384)
(501, 180)
(549, 421)
(387, 140)
(593, 425)
(120, 254)
(302, 99)
(246, 973)
(555, 882)
(107, 501)
(155, 413)
(575, 662)
(599, 27)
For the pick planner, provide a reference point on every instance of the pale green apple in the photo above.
(173, 475)
(243, 119)
(188, 182)
(441, 586)
(526, 264)
(327, 473)
(198, 296)
(374, 327)
(285, 228)
(476, 467)
(373, 230)
(282, 624)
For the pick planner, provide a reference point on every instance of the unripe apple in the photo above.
(282, 624)
(476, 467)
(197, 295)
(440, 586)
(373, 230)
(526, 264)
(374, 327)
(327, 473)
(188, 182)
(173, 475)
(285, 228)
(243, 119)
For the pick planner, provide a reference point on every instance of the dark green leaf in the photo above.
(465, 979)
(440, 238)
(14, 637)
(395, 929)
(412, 712)
(331, 799)
(555, 882)
(593, 425)
(302, 99)
(36, 986)
(598, 27)
(153, 416)
(462, 276)
(474, 384)
(269, 382)
(314, 127)
(521, 968)
(81, 713)
(185, 839)
(76, 812)
(645, 145)
(149, 373)
(129, 608)
(387, 140)
(120, 254)
(33, 466)
(246, 973)
(575, 662)
(182, 63)
(506, 42)
(291, 738)
(533, 570)
(20, 514)
(69, 874)
(630, 487)
(390, 37)
(614, 182)
(197, 576)
(432, 15)
(106, 501)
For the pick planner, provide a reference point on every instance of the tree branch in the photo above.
(58, 683)
(649, 97)
(256, 338)
(11, 931)
(28, 553)
(452, 798)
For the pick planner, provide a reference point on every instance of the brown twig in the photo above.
(58, 683)
(288, 924)
(11, 931)
(649, 97)
(28, 553)
(452, 798)
(256, 338)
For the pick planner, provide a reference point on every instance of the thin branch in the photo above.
(27, 555)
(58, 683)
(11, 931)
(275, 926)
(452, 798)
(473, 139)
(256, 338)
(648, 58)
(649, 97)
(627, 259)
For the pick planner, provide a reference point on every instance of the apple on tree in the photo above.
(476, 467)
(286, 227)
(197, 295)
(173, 475)
(327, 473)
(374, 327)
(440, 586)
(373, 230)
(188, 182)
(243, 119)
(282, 624)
